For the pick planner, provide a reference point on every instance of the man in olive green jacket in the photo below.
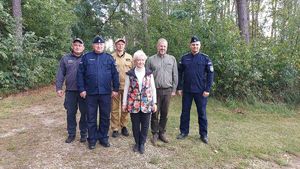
(164, 67)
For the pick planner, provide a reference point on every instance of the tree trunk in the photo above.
(17, 13)
(256, 18)
(228, 8)
(252, 11)
(144, 5)
(165, 6)
(243, 19)
(200, 9)
(274, 9)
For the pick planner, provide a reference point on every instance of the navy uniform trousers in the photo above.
(71, 104)
(201, 103)
(95, 132)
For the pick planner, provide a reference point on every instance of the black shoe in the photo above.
(135, 148)
(181, 136)
(124, 131)
(82, 139)
(70, 139)
(104, 143)
(142, 149)
(204, 139)
(115, 134)
(92, 147)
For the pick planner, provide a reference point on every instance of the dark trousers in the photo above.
(71, 104)
(140, 125)
(103, 101)
(201, 103)
(158, 124)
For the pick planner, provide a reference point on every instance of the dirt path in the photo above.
(33, 137)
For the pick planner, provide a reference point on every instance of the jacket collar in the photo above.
(131, 72)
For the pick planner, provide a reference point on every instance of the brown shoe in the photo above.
(154, 139)
(163, 138)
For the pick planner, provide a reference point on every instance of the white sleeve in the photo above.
(125, 90)
(153, 89)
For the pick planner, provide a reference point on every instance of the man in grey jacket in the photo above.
(67, 72)
(164, 67)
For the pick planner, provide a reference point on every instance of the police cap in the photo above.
(195, 39)
(98, 39)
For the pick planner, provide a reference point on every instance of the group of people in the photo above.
(120, 84)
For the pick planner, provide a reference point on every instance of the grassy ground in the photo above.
(32, 134)
(238, 133)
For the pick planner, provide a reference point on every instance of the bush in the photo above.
(30, 69)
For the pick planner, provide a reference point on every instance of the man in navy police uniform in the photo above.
(195, 73)
(98, 81)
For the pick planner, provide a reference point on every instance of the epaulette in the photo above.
(204, 54)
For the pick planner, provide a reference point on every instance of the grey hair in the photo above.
(139, 54)
(161, 40)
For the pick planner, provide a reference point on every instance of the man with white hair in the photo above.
(98, 81)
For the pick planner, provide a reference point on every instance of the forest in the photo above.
(254, 44)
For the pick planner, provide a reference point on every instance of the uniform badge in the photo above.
(70, 61)
(211, 68)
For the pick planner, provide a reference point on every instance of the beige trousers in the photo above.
(118, 119)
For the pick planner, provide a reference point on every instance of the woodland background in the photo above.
(254, 44)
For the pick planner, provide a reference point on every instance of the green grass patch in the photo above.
(23, 100)
(237, 131)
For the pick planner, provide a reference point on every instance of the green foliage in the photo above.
(98, 17)
(51, 20)
(29, 70)
(174, 27)
(6, 22)
(266, 69)
(36, 64)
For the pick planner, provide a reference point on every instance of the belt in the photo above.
(163, 88)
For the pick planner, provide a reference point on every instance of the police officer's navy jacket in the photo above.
(195, 73)
(67, 71)
(97, 74)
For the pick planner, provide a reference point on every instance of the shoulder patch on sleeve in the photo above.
(211, 68)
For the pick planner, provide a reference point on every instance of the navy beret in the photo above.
(78, 40)
(195, 39)
(98, 39)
